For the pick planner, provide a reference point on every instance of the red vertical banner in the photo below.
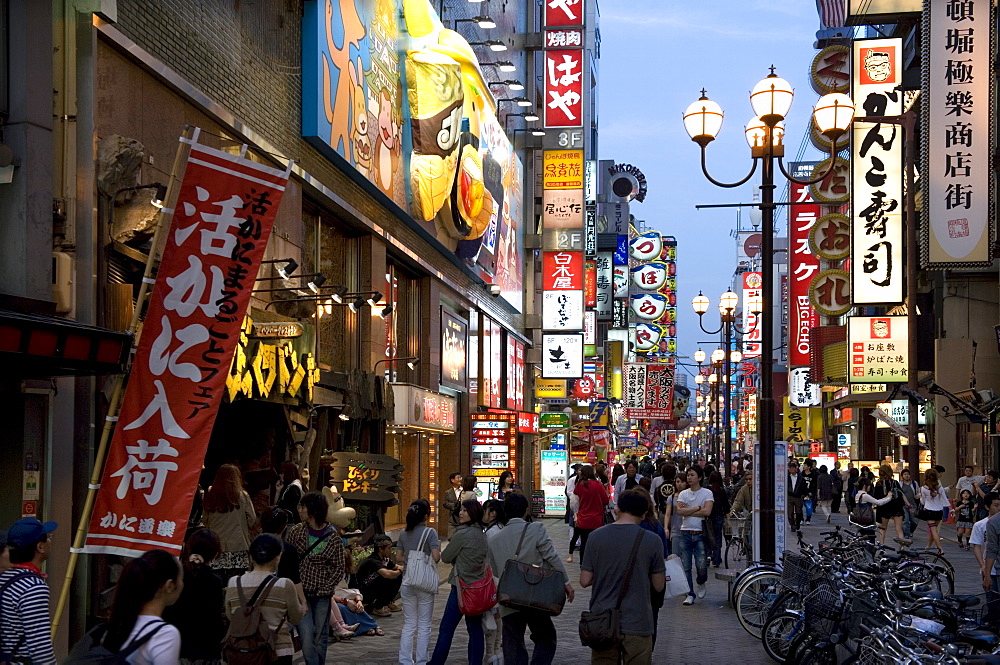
(496, 367)
(221, 223)
(563, 77)
(804, 265)
(515, 374)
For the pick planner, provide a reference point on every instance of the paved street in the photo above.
(711, 623)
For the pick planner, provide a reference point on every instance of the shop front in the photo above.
(425, 420)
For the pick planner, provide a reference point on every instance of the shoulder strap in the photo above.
(263, 591)
(631, 565)
(15, 577)
(140, 640)
(517, 552)
(327, 534)
(423, 538)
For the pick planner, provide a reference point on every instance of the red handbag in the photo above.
(479, 597)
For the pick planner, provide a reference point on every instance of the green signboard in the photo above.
(553, 420)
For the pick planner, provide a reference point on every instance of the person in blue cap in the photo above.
(24, 595)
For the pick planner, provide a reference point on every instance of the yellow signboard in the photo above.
(553, 388)
(800, 424)
(562, 169)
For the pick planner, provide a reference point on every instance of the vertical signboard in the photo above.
(804, 266)
(605, 285)
(959, 141)
(515, 374)
(494, 448)
(454, 355)
(877, 174)
(562, 356)
(751, 290)
(224, 213)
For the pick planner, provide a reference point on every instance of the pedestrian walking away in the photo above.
(604, 570)
(230, 514)
(693, 505)
(418, 603)
(147, 585)
(24, 596)
(196, 613)
(593, 499)
(275, 596)
(467, 553)
(528, 543)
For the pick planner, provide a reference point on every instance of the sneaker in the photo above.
(689, 600)
(381, 612)
(808, 522)
(827, 519)
(700, 588)
(396, 606)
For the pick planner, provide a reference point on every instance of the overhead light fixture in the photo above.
(358, 303)
(288, 268)
(522, 101)
(344, 417)
(374, 298)
(503, 65)
(530, 117)
(316, 282)
(412, 364)
(485, 22)
(537, 132)
(496, 46)
(338, 294)
(387, 311)
(160, 196)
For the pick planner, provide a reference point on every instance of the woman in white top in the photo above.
(934, 499)
(864, 493)
(146, 586)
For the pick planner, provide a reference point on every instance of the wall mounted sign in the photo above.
(877, 174)
(958, 198)
(830, 237)
(804, 265)
(420, 408)
(830, 292)
(562, 356)
(454, 351)
(878, 349)
(562, 310)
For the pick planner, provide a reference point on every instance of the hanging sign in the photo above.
(216, 240)
(879, 350)
(959, 43)
(563, 88)
(562, 310)
(802, 317)
(562, 356)
(752, 283)
(877, 174)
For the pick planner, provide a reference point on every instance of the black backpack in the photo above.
(90, 650)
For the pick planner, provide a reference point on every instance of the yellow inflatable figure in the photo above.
(337, 514)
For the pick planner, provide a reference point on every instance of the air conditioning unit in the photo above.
(62, 282)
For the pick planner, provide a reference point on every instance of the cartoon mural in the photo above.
(434, 145)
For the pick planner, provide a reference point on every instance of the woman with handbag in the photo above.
(593, 499)
(892, 511)
(934, 499)
(467, 552)
(419, 549)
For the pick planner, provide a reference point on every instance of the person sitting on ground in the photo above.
(348, 609)
(380, 577)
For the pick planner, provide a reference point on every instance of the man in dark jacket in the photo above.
(838, 487)
(796, 490)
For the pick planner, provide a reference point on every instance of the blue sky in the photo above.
(656, 55)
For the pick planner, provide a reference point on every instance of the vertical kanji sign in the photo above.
(877, 174)
(563, 88)
(959, 43)
(221, 224)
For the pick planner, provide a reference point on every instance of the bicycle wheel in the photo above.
(754, 568)
(939, 560)
(786, 601)
(819, 652)
(736, 553)
(778, 633)
(754, 599)
(931, 578)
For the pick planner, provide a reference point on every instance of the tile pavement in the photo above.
(705, 632)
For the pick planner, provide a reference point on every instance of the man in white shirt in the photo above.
(694, 504)
(978, 537)
(967, 482)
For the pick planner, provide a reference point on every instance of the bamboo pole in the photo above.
(116, 395)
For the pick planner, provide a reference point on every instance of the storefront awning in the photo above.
(33, 345)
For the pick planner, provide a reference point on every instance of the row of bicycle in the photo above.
(850, 600)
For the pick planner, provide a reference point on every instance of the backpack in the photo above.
(5, 657)
(90, 650)
(249, 640)
(863, 513)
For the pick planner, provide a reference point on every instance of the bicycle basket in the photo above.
(797, 571)
(863, 617)
(735, 527)
(986, 612)
(824, 607)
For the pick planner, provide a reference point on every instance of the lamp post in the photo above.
(728, 304)
(771, 99)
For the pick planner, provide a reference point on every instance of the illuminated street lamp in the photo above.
(771, 99)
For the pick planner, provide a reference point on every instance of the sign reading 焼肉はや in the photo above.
(958, 199)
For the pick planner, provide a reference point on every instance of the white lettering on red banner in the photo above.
(752, 283)
(560, 13)
(563, 88)
(222, 220)
(562, 271)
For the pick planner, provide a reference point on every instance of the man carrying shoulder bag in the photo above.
(620, 621)
(525, 551)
